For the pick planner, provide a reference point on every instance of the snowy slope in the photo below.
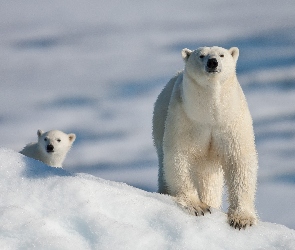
(95, 68)
(49, 208)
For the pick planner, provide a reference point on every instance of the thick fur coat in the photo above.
(51, 148)
(203, 133)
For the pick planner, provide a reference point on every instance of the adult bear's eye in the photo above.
(221, 55)
(202, 56)
(58, 140)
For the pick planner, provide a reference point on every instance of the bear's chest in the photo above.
(207, 140)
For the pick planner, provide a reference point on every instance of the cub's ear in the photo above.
(185, 53)
(234, 51)
(72, 137)
(39, 132)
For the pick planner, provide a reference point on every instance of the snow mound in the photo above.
(49, 208)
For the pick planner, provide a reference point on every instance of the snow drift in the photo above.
(95, 68)
(49, 208)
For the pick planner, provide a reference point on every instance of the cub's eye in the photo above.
(221, 55)
(45, 139)
(202, 56)
(59, 140)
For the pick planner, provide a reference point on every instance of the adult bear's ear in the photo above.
(185, 53)
(234, 51)
(72, 137)
(39, 132)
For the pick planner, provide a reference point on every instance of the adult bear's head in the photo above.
(207, 65)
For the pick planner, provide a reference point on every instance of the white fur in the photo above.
(61, 144)
(202, 130)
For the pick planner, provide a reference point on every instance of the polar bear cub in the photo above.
(51, 148)
(203, 133)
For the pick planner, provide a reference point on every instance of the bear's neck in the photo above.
(202, 103)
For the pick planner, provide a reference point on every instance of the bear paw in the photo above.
(241, 220)
(200, 209)
(194, 207)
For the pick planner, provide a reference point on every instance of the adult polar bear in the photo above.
(202, 129)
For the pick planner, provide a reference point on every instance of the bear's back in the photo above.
(31, 150)
(161, 109)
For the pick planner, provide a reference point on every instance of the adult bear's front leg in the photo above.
(241, 176)
(177, 174)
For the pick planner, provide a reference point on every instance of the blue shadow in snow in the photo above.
(286, 85)
(70, 102)
(274, 134)
(102, 166)
(37, 43)
(40, 170)
(83, 136)
(286, 178)
(137, 88)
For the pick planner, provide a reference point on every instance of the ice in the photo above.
(50, 208)
(95, 68)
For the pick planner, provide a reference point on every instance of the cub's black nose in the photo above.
(212, 63)
(49, 148)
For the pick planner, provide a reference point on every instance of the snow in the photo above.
(50, 208)
(95, 68)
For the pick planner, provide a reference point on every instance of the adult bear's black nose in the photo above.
(49, 148)
(212, 63)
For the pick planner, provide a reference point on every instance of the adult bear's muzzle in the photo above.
(212, 65)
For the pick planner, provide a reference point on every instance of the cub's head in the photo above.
(55, 141)
(207, 64)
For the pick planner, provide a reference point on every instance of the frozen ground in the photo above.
(49, 208)
(94, 68)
